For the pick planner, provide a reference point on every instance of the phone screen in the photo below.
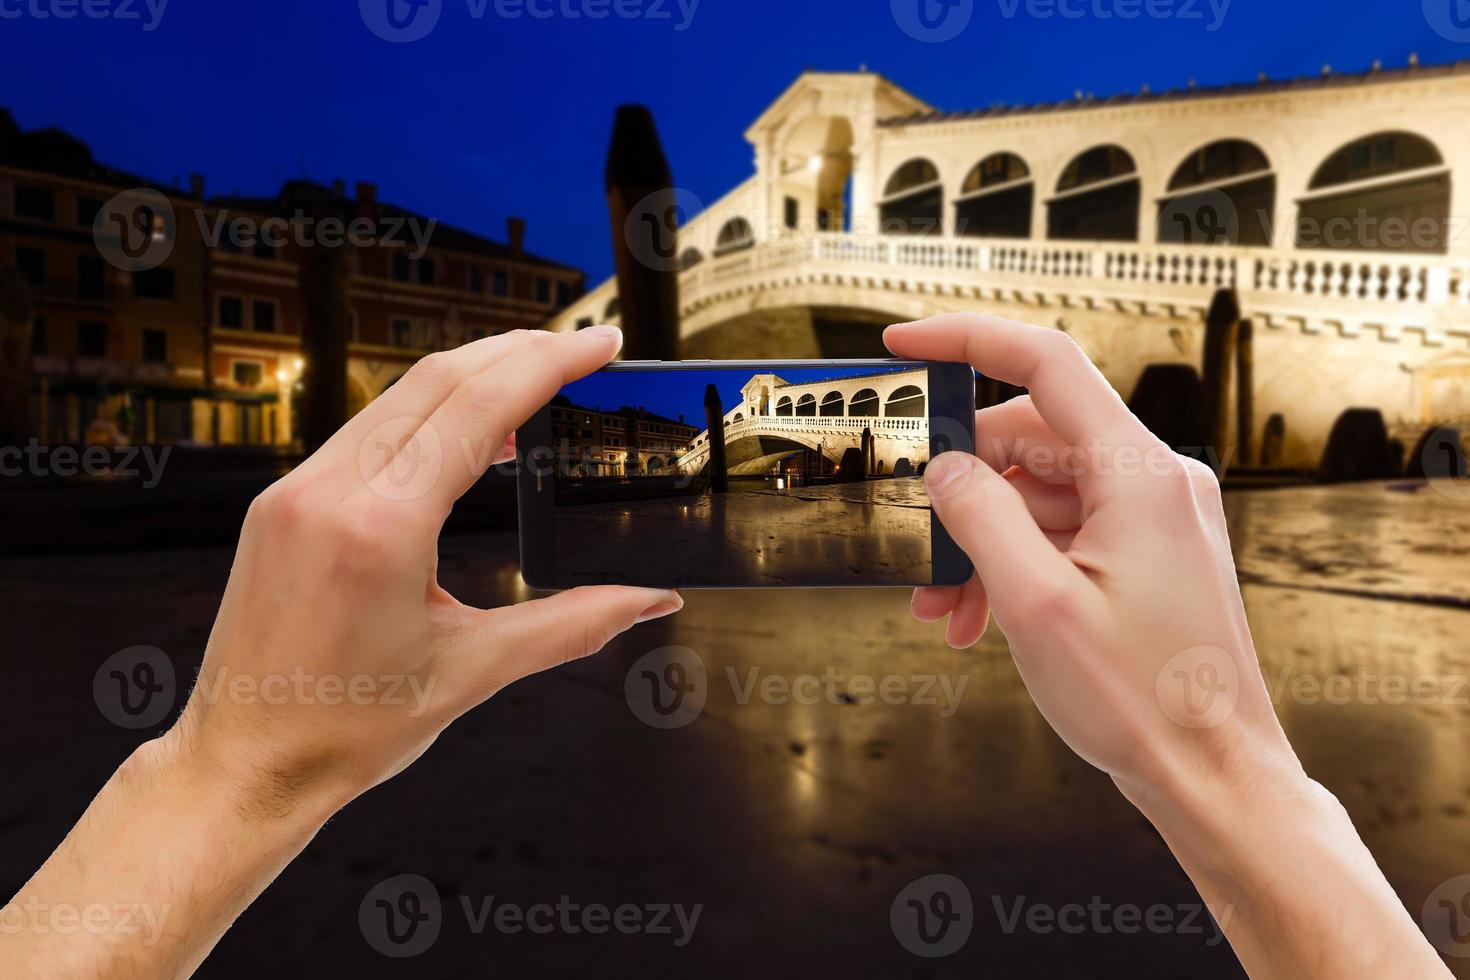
(771, 475)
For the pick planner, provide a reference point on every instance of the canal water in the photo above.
(796, 804)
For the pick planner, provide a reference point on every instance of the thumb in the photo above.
(505, 644)
(989, 520)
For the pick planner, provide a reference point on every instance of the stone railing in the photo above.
(1387, 291)
(848, 427)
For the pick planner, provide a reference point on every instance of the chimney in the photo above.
(367, 200)
(515, 230)
(196, 186)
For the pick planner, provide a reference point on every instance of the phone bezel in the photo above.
(951, 421)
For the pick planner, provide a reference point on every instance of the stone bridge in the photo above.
(776, 418)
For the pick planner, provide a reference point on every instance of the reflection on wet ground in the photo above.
(873, 533)
(795, 818)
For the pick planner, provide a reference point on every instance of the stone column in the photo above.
(714, 418)
(1222, 324)
(1245, 393)
(641, 204)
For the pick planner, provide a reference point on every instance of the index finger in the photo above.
(1071, 394)
(460, 439)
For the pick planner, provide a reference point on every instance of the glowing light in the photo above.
(281, 374)
(815, 164)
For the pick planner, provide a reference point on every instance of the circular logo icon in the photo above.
(1444, 464)
(135, 230)
(400, 21)
(134, 688)
(1450, 19)
(1198, 687)
(1446, 917)
(401, 459)
(933, 916)
(1202, 218)
(932, 21)
(401, 916)
(652, 229)
(667, 687)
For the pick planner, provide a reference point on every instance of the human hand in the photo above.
(352, 655)
(1105, 558)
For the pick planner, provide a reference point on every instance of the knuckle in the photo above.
(282, 504)
(484, 392)
(433, 370)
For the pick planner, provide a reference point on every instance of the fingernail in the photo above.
(667, 606)
(603, 331)
(942, 474)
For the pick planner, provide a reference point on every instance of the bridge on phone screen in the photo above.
(776, 418)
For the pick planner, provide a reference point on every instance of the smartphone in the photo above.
(743, 474)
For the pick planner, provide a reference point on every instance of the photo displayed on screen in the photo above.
(724, 476)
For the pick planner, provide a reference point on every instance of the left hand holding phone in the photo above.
(353, 656)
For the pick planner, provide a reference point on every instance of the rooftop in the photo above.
(1261, 86)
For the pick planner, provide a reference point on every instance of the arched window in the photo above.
(689, 258)
(655, 464)
(783, 405)
(1385, 192)
(996, 199)
(739, 416)
(735, 235)
(1222, 194)
(1097, 198)
(913, 200)
(905, 402)
(806, 405)
(831, 403)
(612, 309)
(864, 404)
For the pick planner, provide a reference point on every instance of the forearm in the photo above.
(1282, 869)
(162, 862)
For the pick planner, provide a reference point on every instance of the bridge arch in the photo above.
(1361, 194)
(996, 199)
(1232, 173)
(864, 404)
(832, 404)
(806, 405)
(913, 200)
(735, 235)
(905, 402)
(1097, 198)
(783, 405)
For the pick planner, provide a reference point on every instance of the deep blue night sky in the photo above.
(670, 393)
(489, 117)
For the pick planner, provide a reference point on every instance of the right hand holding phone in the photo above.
(1105, 559)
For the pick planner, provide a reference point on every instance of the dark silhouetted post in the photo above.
(868, 450)
(1222, 324)
(326, 274)
(15, 357)
(640, 200)
(1245, 393)
(714, 420)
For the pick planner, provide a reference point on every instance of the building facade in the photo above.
(628, 441)
(1334, 210)
(206, 347)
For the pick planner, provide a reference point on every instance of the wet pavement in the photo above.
(796, 804)
(871, 533)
